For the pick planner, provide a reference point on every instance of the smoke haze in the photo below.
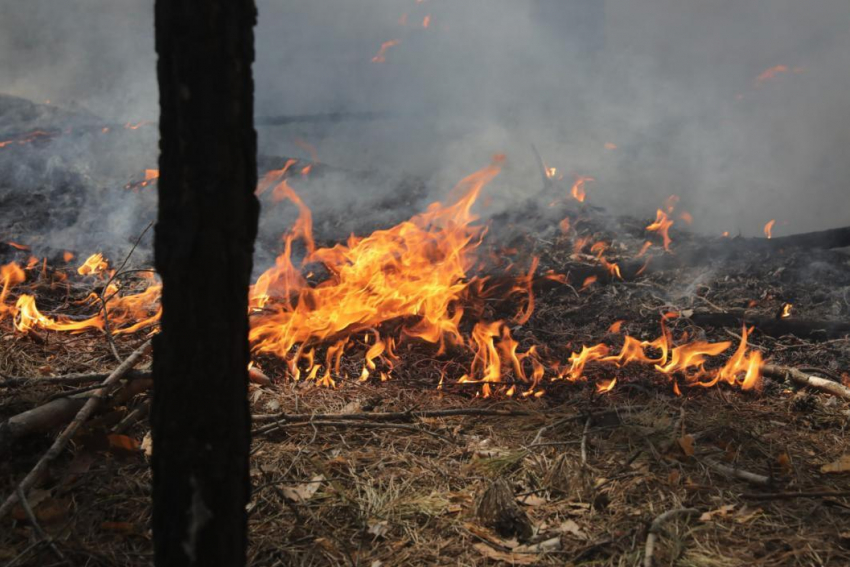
(673, 85)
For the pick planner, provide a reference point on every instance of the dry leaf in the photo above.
(686, 442)
(303, 492)
(122, 444)
(784, 462)
(551, 544)
(257, 376)
(744, 515)
(378, 528)
(570, 527)
(723, 511)
(147, 445)
(354, 406)
(512, 558)
(532, 500)
(842, 465)
(125, 528)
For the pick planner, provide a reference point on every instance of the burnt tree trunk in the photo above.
(204, 242)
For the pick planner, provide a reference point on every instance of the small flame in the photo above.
(426, 21)
(380, 57)
(662, 226)
(578, 191)
(786, 310)
(94, 265)
(616, 326)
(768, 228)
(604, 386)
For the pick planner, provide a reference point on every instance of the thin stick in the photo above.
(358, 424)
(655, 528)
(42, 536)
(584, 441)
(803, 379)
(85, 412)
(588, 415)
(69, 379)
(390, 416)
(107, 331)
(792, 495)
(752, 478)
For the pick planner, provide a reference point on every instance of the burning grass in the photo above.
(598, 419)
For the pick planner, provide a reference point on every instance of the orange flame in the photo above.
(380, 57)
(578, 190)
(662, 226)
(768, 229)
(94, 265)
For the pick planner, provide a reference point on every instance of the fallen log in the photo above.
(772, 326)
(89, 407)
(59, 411)
(803, 379)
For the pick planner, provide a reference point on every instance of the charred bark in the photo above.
(205, 232)
(772, 326)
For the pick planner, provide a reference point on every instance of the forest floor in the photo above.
(591, 471)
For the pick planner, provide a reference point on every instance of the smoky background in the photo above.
(673, 85)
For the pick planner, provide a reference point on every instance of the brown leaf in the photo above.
(256, 376)
(122, 444)
(147, 445)
(722, 512)
(303, 492)
(842, 465)
(686, 442)
(532, 500)
(124, 528)
(512, 558)
(570, 527)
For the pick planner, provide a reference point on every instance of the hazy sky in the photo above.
(674, 85)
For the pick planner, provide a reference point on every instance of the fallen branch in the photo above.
(773, 327)
(803, 379)
(792, 495)
(58, 445)
(655, 528)
(390, 416)
(735, 472)
(57, 412)
(69, 379)
(351, 424)
(42, 536)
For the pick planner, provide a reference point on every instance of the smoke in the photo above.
(673, 85)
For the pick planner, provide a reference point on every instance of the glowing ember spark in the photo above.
(67, 256)
(771, 73)
(578, 190)
(380, 57)
(426, 21)
(768, 228)
(588, 281)
(23, 247)
(616, 326)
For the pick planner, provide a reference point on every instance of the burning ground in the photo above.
(584, 372)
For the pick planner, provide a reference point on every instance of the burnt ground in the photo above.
(591, 471)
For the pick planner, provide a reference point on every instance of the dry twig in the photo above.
(59, 444)
(655, 528)
(803, 379)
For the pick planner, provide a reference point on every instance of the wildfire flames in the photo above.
(413, 282)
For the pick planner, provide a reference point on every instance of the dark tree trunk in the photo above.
(204, 243)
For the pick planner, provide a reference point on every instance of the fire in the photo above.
(380, 57)
(94, 265)
(25, 139)
(771, 73)
(768, 228)
(578, 190)
(411, 282)
(426, 21)
(662, 226)
(786, 310)
(150, 176)
(413, 272)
